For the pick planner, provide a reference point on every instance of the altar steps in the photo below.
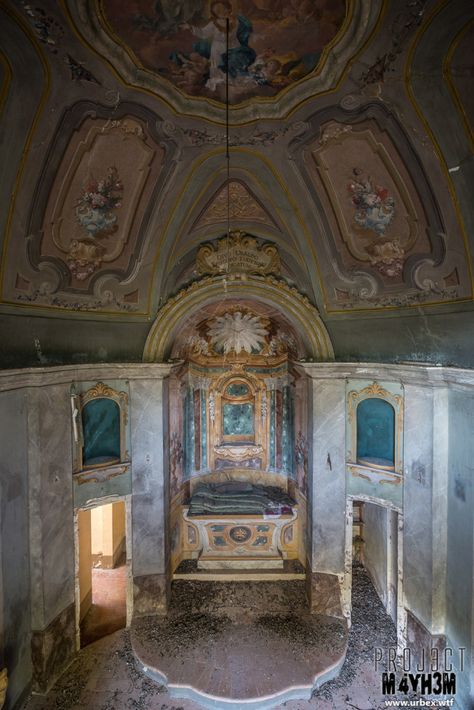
(189, 570)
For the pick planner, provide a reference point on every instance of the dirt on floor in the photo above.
(105, 676)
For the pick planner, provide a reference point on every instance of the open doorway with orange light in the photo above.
(101, 571)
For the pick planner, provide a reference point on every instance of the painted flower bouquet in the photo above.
(95, 205)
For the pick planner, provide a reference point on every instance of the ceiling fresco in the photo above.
(350, 158)
(272, 43)
(280, 53)
(382, 226)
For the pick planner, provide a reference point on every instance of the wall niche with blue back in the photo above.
(101, 432)
(374, 439)
(102, 435)
(376, 433)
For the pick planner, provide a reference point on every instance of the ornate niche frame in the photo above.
(106, 469)
(238, 448)
(392, 393)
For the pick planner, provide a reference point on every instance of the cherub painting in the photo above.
(272, 44)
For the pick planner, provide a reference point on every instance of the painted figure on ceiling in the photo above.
(239, 57)
(272, 43)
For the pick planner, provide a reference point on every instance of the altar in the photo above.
(237, 461)
(239, 524)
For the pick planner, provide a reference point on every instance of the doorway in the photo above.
(102, 571)
(374, 539)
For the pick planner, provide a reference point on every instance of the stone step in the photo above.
(241, 575)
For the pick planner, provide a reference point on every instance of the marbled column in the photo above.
(327, 491)
(149, 468)
(51, 531)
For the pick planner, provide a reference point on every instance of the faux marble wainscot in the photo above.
(15, 617)
(51, 532)
(148, 405)
(326, 496)
(460, 539)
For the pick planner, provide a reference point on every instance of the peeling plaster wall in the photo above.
(38, 341)
(436, 338)
(418, 337)
(459, 592)
(15, 631)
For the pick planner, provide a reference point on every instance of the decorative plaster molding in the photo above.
(67, 374)
(296, 307)
(238, 253)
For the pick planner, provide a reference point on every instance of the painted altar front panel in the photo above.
(246, 537)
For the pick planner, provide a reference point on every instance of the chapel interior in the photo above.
(236, 352)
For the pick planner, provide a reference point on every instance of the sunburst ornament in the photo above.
(236, 332)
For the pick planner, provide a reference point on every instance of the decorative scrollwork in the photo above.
(238, 253)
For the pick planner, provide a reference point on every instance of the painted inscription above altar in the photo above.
(238, 253)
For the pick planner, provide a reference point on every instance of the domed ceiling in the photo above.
(350, 161)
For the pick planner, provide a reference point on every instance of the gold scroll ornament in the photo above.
(238, 253)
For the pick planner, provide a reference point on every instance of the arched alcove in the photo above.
(101, 432)
(238, 408)
(266, 290)
(376, 432)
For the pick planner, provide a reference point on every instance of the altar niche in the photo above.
(233, 455)
(238, 432)
(236, 419)
(376, 433)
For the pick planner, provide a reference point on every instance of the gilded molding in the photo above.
(297, 307)
(448, 75)
(238, 253)
(100, 475)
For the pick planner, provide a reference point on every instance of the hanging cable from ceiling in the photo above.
(227, 136)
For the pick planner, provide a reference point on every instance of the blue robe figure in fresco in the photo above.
(214, 44)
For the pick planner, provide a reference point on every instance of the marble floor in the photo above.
(108, 611)
(105, 675)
